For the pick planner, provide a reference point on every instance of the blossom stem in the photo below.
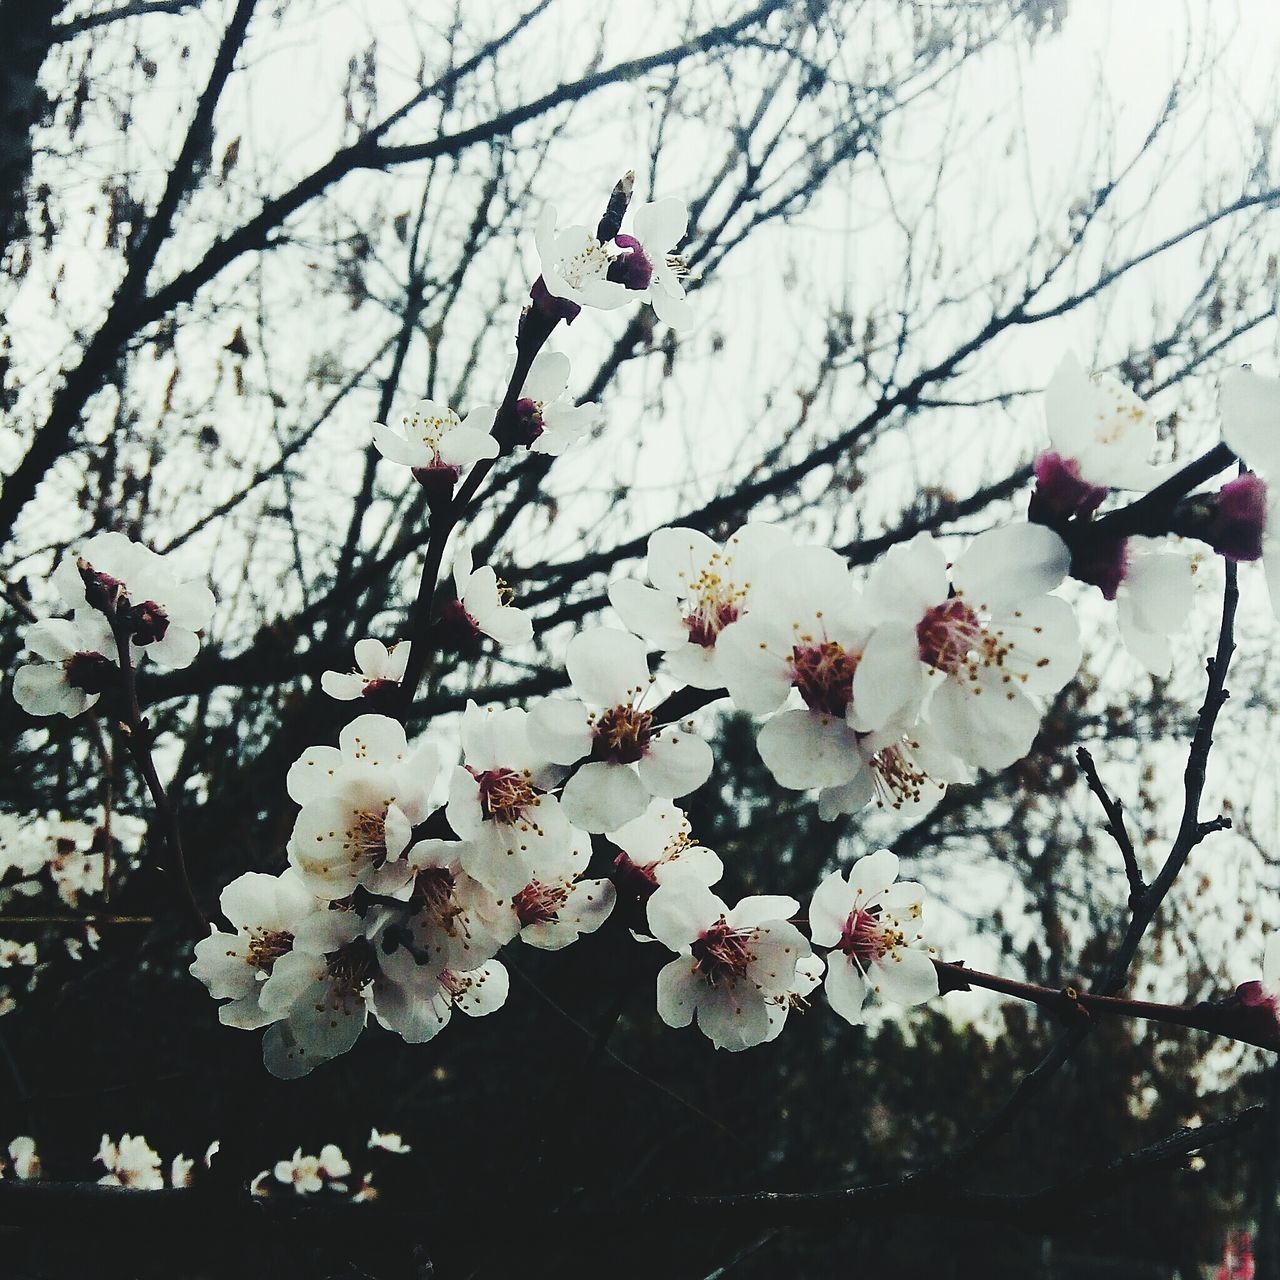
(1152, 513)
(1230, 1019)
(137, 735)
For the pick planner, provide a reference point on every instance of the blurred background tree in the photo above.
(238, 233)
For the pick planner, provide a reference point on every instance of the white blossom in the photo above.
(1250, 406)
(26, 1160)
(631, 758)
(871, 925)
(1103, 427)
(78, 662)
(500, 803)
(391, 1142)
(549, 421)
(984, 646)
(162, 614)
(264, 911)
(129, 1163)
(360, 802)
(377, 668)
(310, 1174)
(575, 265)
(736, 967)
(432, 438)
(647, 265)
(699, 588)
(802, 641)
(484, 602)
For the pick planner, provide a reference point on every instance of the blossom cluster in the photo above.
(413, 867)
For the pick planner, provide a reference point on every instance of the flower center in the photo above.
(266, 946)
(505, 794)
(723, 953)
(865, 939)
(530, 420)
(367, 837)
(632, 269)
(716, 603)
(946, 635)
(622, 734)
(352, 967)
(148, 622)
(824, 675)
(429, 429)
(539, 903)
(590, 263)
(896, 776)
(433, 899)
(90, 672)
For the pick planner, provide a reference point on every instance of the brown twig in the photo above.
(1114, 825)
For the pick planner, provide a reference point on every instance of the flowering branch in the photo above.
(1231, 1018)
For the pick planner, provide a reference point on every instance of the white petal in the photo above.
(675, 763)
(603, 796)
(1005, 566)
(680, 911)
(905, 976)
(607, 667)
(679, 985)
(653, 615)
(846, 988)
(874, 873)
(889, 680)
(829, 910)
(661, 226)
(559, 729)
(547, 376)
(1250, 405)
(803, 749)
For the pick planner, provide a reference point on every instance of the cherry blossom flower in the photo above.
(437, 445)
(416, 1001)
(391, 1142)
(1100, 430)
(310, 1174)
(129, 1163)
(549, 422)
(26, 1160)
(806, 633)
(378, 670)
(656, 845)
(630, 758)
(483, 606)
(264, 911)
(870, 924)
(648, 267)
(78, 664)
(699, 588)
(984, 647)
(735, 968)
(556, 907)
(316, 995)
(511, 827)
(575, 269)
(452, 920)
(360, 802)
(161, 613)
(17, 953)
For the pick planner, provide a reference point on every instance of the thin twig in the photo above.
(1115, 825)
